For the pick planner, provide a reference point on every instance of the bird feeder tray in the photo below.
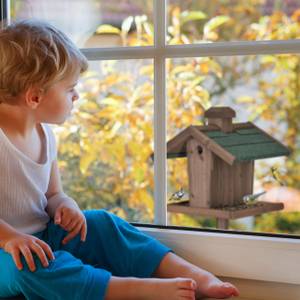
(233, 212)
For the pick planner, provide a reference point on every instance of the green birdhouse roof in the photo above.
(245, 142)
(248, 144)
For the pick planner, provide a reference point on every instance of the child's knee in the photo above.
(7, 264)
(60, 258)
(36, 261)
(103, 223)
(97, 218)
(10, 279)
(95, 214)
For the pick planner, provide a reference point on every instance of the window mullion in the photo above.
(118, 53)
(4, 9)
(233, 48)
(194, 50)
(160, 114)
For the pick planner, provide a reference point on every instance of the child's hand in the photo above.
(71, 218)
(26, 244)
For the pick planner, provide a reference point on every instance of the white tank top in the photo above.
(23, 184)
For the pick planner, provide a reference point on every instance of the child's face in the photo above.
(57, 101)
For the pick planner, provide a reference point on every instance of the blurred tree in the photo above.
(105, 148)
(279, 223)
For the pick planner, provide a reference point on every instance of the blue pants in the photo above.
(82, 270)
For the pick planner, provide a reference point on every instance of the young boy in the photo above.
(49, 248)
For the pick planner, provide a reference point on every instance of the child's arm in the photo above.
(55, 194)
(17, 244)
(64, 209)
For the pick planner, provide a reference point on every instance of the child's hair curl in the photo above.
(34, 53)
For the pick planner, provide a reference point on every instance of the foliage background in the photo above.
(105, 147)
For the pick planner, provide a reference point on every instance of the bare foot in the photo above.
(151, 289)
(207, 284)
(215, 288)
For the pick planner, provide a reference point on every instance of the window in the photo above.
(155, 67)
(93, 23)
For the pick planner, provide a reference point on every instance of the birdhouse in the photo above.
(220, 158)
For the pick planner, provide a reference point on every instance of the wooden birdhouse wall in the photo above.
(199, 173)
(213, 183)
(229, 184)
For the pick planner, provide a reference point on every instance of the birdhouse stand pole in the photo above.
(222, 223)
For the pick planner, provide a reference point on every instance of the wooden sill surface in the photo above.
(234, 298)
(263, 290)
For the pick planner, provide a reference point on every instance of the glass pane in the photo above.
(105, 147)
(93, 23)
(264, 90)
(198, 21)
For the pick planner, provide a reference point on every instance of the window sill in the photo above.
(263, 268)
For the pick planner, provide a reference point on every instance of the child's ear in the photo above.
(33, 97)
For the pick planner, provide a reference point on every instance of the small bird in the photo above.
(177, 195)
(252, 197)
(276, 175)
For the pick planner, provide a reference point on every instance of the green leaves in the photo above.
(107, 29)
(187, 16)
(213, 24)
(106, 158)
(126, 25)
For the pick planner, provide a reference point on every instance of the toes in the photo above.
(186, 283)
(235, 292)
(187, 294)
(230, 289)
(227, 285)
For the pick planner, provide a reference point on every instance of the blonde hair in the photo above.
(34, 53)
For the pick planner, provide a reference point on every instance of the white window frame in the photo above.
(159, 52)
(263, 258)
(269, 259)
(250, 257)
